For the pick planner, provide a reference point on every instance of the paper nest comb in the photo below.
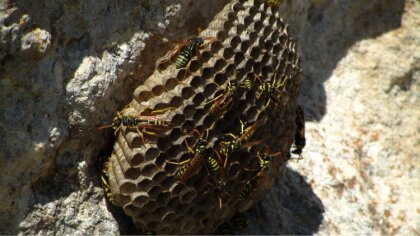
(252, 39)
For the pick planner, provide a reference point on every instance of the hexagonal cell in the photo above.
(195, 65)
(142, 93)
(179, 220)
(163, 144)
(167, 182)
(187, 92)
(151, 154)
(140, 199)
(255, 26)
(187, 195)
(233, 170)
(144, 184)
(197, 100)
(169, 217)
(199, 114)
(171, 83)
(181, 74)
(173, 204)
(176, 188)
(149, 207)
(208, 90)
(164, 197)
(236, 7)
(133, 139)
(158, 90)
(148, 169)
(283, 38)
(127, 187)
(248, 65)
(132, 173)
(176, 101)
(130, 210)
(136, 158)
(159, 176)
(120, 199)
(239, 57)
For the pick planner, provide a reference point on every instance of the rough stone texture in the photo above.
(360, 93)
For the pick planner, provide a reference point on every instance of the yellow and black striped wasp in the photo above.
(140, 122)
(265, 160)
(300, 140)
(184, 51)
(271, 90)
(241, 142)
(193, 165)
(248, 84)
(224, 101)
(105, 183)
(219, 183)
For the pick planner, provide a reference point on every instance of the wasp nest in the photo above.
(231, 110)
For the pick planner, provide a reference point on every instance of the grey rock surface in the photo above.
(67, 66)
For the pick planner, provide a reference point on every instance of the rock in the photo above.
(360, 93)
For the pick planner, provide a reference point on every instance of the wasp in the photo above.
(237, 143)
(184, 51)
(213, 163)
(192, 166)
(249, 83)
(270, 90)
(219, 189)
(273, 3)
(223, 101)
(300, 140)
(139, 122)
(105, 183)
(265, 159)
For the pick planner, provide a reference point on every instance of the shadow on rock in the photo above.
(325, 30)
(291, 207)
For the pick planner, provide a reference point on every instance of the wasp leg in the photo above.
(212, 100)
(258, 78)
(163, 110)
(259, 95)
(179, 163)
(141, 136)
(186, 71)
(266, 105)
(231, 135)
(190, 149)
(149, 132)
(282, 83)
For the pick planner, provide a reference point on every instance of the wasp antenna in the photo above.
(105, 126)
(276, 154)
(258, 78)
